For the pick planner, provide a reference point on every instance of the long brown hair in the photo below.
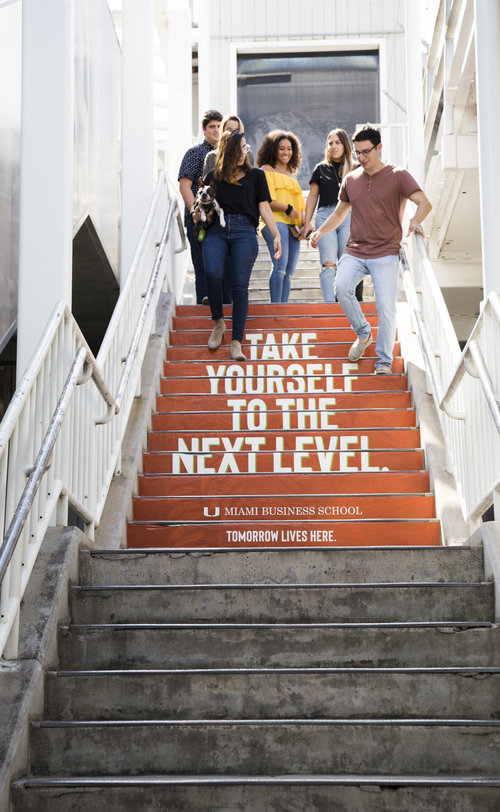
(228, 155)
(347, 159)
(268, 150)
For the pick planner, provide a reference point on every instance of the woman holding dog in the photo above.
(279, 156)
(324, 187)
(243, 195)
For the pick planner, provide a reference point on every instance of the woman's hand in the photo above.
(315, 238)
(277, 246)
(306, 231)
(196, 215)
(294, 214)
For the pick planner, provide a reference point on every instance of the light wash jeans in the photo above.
(280, 280)
(384, 274)
(331, 247)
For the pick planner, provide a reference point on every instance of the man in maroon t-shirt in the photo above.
(376, 193)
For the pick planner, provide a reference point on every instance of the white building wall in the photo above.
(229, 27)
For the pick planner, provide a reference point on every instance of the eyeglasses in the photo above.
(363, 152)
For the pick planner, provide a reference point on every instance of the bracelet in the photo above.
(289, 210)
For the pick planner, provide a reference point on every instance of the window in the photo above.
(309, 94)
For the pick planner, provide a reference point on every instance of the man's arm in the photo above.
(186, 192)
(342, 209)
(423, 209)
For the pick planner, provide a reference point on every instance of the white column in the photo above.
(414, 100)
(46, 180)
(180, 84)
(206, 93)
(137, 125)
(487, 16)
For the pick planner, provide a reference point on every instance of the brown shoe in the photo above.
(236, 353)
(359, 347)
(217, 335)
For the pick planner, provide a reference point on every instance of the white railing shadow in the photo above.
(61, 436)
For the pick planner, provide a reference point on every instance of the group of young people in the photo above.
(358, 227)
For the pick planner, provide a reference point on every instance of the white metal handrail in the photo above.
(55, 416)
(465, 385)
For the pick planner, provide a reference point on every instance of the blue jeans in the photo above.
(280, 280)
(331, 247)
(238, 240)
(384, 274)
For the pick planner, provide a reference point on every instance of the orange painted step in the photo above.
(266, 308)
(282, 384)
(329, 402)
(266, 484)
(200, 334)
(215, 366)
(307, 461)
(263, 508)
(268, 353)
(279, 420)
(381, 533)
(373, 438)
(276, 324)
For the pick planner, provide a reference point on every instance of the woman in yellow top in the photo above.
(279, 156)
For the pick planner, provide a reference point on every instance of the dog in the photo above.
(206, 204)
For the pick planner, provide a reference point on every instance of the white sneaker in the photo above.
(383, 369)
(359, 347)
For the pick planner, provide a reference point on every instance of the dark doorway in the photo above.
(309, 94)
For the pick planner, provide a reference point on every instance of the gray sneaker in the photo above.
(359, 347)
(383, 369)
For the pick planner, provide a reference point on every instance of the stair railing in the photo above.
(61, 437)
(465, 385)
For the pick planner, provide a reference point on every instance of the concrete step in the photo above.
(273, 693)
(243, 645)
(214, 793)
(336, 565)
(282, 603)
(261, 747)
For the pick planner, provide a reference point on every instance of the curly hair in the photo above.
(347, 159)
(268, 150)
(228, 155)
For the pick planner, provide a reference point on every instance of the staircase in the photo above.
(295, 446)
(322, 679)
(285, 631)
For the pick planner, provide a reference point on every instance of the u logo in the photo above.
(206, 512)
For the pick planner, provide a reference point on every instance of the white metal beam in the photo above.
(46, 182)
